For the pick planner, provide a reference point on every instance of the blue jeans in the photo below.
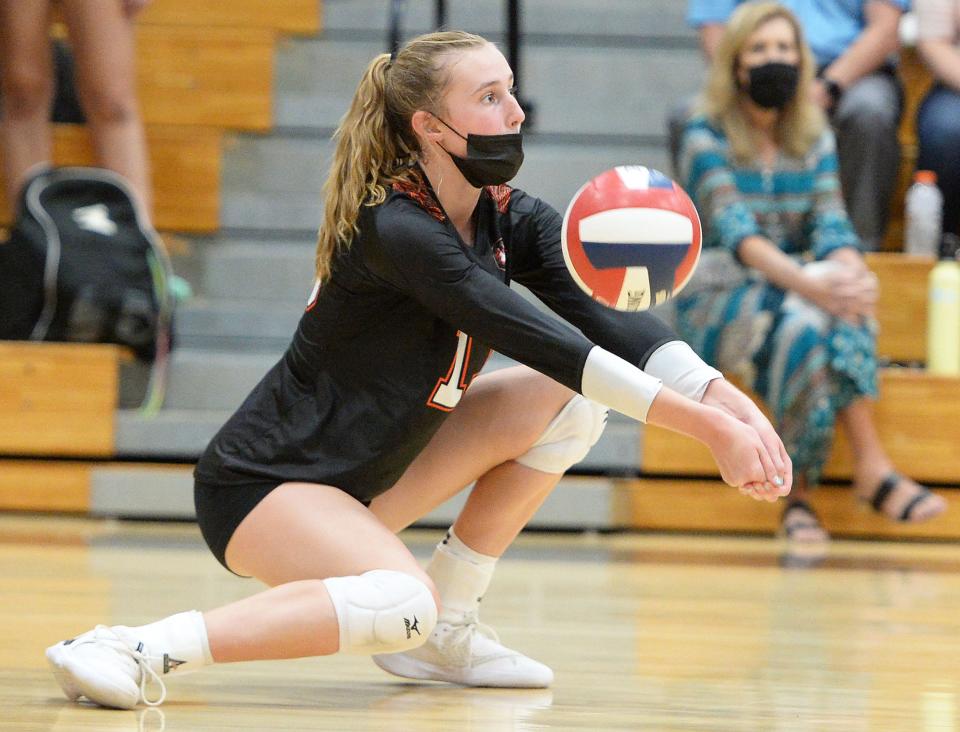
(938, 127)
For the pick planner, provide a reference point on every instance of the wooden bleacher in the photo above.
(204, 70)
(296, 17)
(902, 309)
(916, 415)
(185, 164)
(58, 399)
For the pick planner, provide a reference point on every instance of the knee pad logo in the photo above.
(412, 627)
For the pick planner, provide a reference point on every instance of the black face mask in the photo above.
(773, 85)
(491, 159)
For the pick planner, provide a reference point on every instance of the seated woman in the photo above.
(938, 121)
(782, 298)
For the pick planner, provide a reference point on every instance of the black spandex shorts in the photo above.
(220, 509)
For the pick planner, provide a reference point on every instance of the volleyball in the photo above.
(631, 238)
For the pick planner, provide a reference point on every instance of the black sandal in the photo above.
(810, 520)
(886, 487)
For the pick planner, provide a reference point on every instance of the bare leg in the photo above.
(103, 38)
(298, 535)
(500, 417)
(872, 464)
(26, 81)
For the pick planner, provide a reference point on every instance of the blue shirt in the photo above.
(830, 25)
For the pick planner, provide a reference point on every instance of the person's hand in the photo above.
(132, 7)
(868, 292)
(843, 291)
(820, 96)
(724, 396)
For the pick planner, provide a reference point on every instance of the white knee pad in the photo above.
(568, 438)
(382, 611)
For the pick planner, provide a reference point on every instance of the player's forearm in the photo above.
(611, 381)
(679, 414)
(681, 369)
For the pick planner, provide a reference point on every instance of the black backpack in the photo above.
(82, 265)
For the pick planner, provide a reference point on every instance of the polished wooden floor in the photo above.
(654, 632)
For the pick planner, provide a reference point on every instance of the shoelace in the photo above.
(472, 621)
(459, 644)
(104, 634)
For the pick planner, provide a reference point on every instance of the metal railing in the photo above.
(514, 12)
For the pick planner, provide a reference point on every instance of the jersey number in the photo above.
(446, 394)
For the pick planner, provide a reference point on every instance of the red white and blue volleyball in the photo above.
(631, 238)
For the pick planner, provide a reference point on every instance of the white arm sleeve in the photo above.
(681, 369)
(618, 384)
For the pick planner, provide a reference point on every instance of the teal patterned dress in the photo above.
(806, 364)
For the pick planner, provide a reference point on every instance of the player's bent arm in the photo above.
(737, 448)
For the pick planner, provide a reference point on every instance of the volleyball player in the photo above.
(375, 415)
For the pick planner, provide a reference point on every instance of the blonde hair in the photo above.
(375, 143)
(800, 123)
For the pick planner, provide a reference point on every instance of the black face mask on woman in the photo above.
(491, 159)
(773, 85)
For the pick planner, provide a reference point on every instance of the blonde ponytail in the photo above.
(375, 145)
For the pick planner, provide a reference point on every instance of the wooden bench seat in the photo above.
(220, 77)
(185, 164)
(63, 485)
(207, 76)
(902, 310)
(58, 399)
(684, 504)
(916, 417)
(299, 17)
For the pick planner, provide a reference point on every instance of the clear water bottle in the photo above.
(924, 215)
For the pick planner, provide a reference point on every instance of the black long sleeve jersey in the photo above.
(393, 338)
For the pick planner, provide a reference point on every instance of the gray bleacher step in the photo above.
(567, 19)
(214, 380)
(553, 171)
(220, 265)
(184, 433)
(274, 183)
(171, 434)
(162, 493)
(231, 324)
(620, 90)
(205, 388)
(261, 270)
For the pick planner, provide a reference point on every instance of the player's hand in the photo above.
(743, 459)
(724, 396)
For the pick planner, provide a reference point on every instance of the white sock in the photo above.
(177, 643)
(461, 575)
